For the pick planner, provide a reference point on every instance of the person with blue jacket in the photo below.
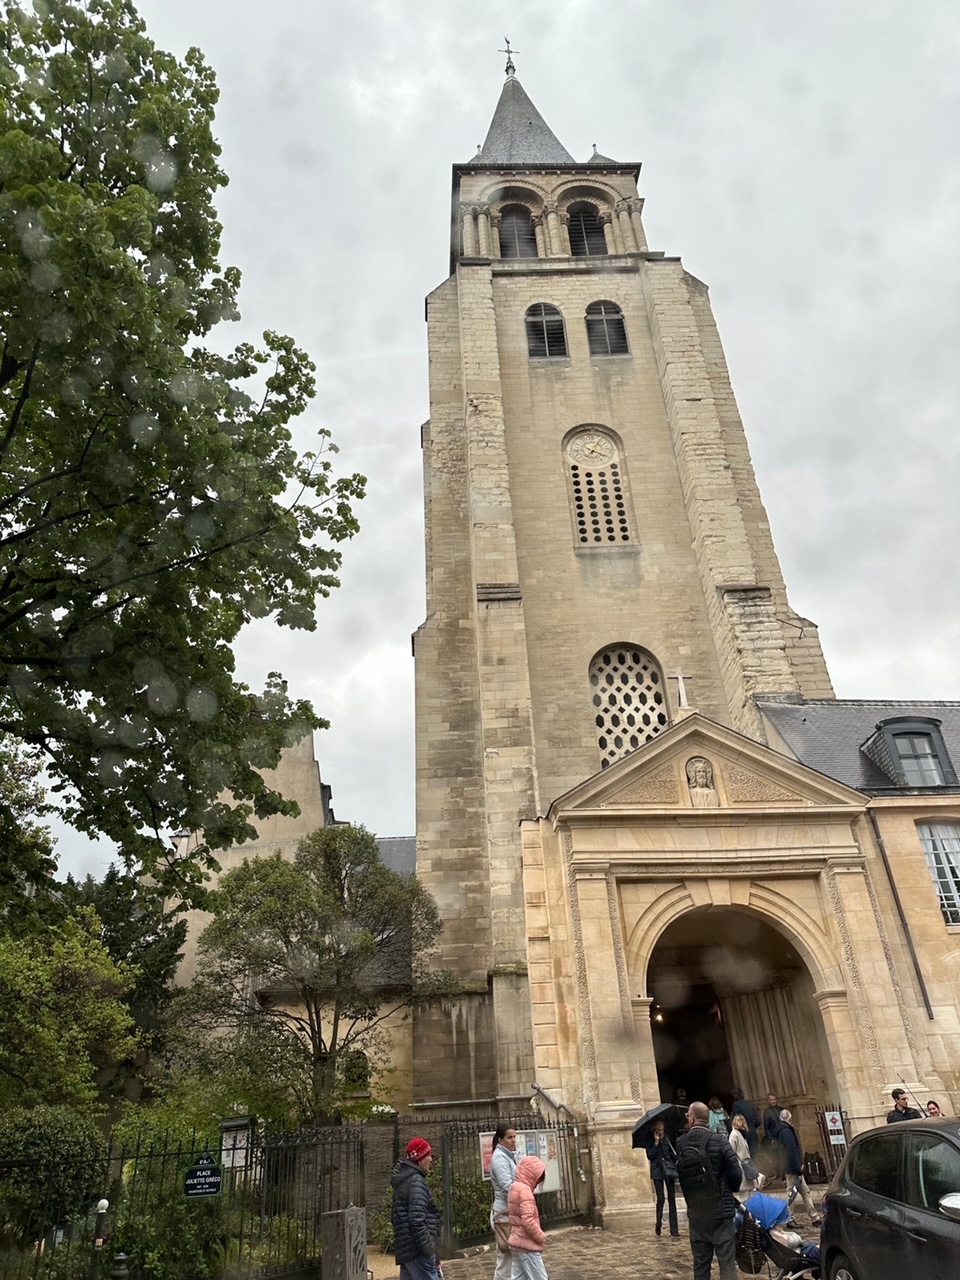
(503, 1170)
(793, 1166)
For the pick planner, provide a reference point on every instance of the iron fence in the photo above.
(183, 1210)
(458, 1178)
(249, 1207)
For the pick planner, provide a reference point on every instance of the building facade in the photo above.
(653, 874)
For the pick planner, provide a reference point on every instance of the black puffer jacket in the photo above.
(415, 1217)
(727, 1173)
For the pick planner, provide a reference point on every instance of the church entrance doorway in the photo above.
(732, 1005)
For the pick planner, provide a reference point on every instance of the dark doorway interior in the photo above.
(691, 1048)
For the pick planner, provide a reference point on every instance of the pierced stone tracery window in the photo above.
(629, 701)
(597, 490)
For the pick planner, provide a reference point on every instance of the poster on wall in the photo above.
(542, 1143)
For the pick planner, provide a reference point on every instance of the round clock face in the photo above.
(592, 449)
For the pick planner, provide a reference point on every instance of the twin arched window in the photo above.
(606, 332)
(629, 701)
(518, 238)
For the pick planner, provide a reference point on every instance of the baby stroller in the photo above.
(758, 1247)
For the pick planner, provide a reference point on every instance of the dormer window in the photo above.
(918, 759)
(911, 752)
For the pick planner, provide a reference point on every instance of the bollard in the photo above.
(343, 1244)
(119, 1270)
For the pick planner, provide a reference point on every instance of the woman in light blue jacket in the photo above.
(503, 1170)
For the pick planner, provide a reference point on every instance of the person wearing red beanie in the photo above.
(414, 1214)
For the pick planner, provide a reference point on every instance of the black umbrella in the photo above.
(670, 1116)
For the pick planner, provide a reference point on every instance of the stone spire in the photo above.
(518, 133)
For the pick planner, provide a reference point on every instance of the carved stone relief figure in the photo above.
(703, 794)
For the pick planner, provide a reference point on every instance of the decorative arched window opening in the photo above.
(517, 237)
(630, 706)
(606, 332)
(586, 232)
(598, 490)
(545, 332)
(941, 845)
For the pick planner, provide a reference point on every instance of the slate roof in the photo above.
(399, 853)
(827, 735)
(518, 133)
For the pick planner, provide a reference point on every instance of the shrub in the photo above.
(60, 1169)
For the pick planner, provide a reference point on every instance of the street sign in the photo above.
(204, 1179)
(834, 1123)
(834, 1119)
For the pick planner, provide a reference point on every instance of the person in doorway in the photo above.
(414, 1214)
(901, 1111)
(527, 1237)
(751, 1113)
(503, 1170)
(753, 1179)
(719, 1120)
(771, 1128)
(933, 1109)
(663, 1174)
(793, 1167)
(709, 1174)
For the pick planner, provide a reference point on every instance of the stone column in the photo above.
(565, 235)
(554, 237)
(540, 234)
(606, 221)
(494, 235)
(483, 232)
(469, 234)
(626, 228)
(637, 223)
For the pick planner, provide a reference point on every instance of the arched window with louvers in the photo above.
(586, 231)
(546, 336)
(517, 236)
(606, 332)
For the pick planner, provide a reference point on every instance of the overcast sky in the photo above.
(802, 158)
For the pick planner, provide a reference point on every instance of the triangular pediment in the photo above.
(701, 765)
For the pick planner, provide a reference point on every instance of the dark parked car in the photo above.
(892, 1211)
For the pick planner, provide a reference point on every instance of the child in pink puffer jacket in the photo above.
(526, 1234)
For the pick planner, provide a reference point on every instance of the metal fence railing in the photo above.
(247, 1206)
(183, 1210)
(461, 1153)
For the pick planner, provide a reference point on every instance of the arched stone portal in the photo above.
(732, 1004)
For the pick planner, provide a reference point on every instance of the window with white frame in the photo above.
(941, 844)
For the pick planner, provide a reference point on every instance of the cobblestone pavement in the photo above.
(585, 1253)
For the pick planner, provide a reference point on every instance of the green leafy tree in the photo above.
(152, 501)
(140, 932)
(305, 962)
(53, 1166)
(26, 846)
(63, 1020)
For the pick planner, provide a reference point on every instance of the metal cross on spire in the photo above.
(511, 69)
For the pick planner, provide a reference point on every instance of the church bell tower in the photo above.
(598, 559)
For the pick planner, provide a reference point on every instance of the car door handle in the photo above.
(853, 1213)
(916, 1235)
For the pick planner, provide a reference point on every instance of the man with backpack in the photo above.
(709, 1173)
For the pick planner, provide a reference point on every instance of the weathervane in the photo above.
(511, 69)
